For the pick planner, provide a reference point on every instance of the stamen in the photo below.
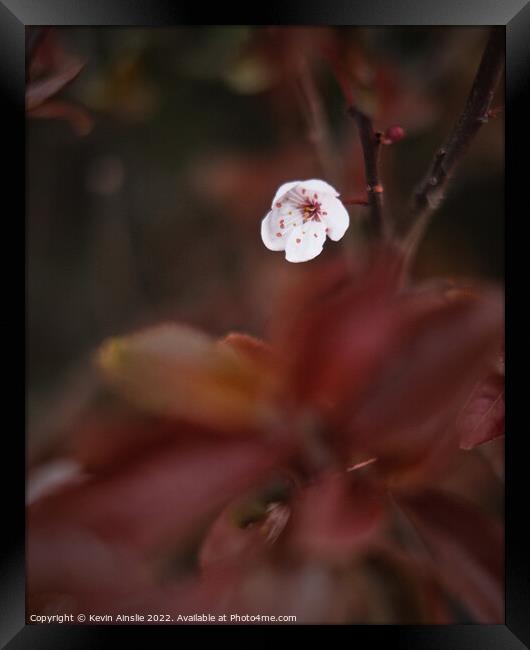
(311, 211)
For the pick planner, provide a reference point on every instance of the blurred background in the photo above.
(154, 214)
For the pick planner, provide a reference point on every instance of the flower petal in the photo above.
(285, 216)
(313, 184)
(337, 218)
(283, 189)
(316, 185)
(305, 242)
(269, 234)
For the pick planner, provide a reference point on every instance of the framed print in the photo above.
(265, 322)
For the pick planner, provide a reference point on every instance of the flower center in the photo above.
(311, 211)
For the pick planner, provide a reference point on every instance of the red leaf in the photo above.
(106, 440)
(331, 329)
(427, 352)
(163, 498)
(229, 543)
(312, 592)
(40, 91)
(256, 350)
(391, 587)
(466, 548)
(335, 515)
(78, 117)
(73, 570)
(437, 350)
(388, 370)
(482, 418)
(177, 371)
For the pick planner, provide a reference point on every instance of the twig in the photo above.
(317, 124)
(371, 145)
(430, 192)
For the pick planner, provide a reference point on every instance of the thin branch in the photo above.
(371, 145)
(316, 120)
(430, 192)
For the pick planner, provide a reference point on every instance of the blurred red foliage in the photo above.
(304, 473)
(50, 69)
(342, 470)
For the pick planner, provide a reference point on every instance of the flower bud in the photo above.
(393, 134)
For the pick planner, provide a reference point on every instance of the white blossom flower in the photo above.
(301, 215)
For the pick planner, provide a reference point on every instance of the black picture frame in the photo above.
(15, 15)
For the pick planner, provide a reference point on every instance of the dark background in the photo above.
(155, 214)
